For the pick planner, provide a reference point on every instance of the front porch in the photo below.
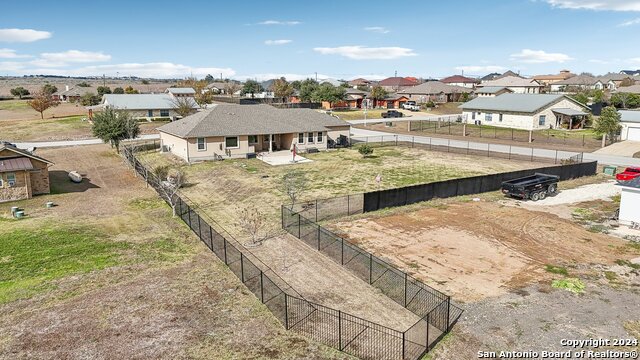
(573, 119)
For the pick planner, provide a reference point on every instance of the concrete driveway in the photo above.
(624, 148)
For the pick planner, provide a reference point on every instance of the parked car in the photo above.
(535, 187)
(392, 114)
(628, 174)
(411, 105)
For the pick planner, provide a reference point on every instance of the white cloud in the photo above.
(614, 5)
(11, 54)
(359, 52)
(539, 57)
(277, 42)
(480, 68)
(635, 21)
(278, 22)
(23, 35)
(76, 56)
(598, 61)
(11, 66)
(634, 60)
(378, 29)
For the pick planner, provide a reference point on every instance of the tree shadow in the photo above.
(61, 184)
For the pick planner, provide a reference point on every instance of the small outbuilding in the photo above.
(22, 174)
(630, 121)
(630, 202)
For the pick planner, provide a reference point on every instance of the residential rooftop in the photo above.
(434, 87)
(525, 103)
(141, 101)
(630, 116)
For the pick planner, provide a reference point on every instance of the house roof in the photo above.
(629, 116)
(492, 89)
(397, 81)
(563, 75)
(15, 164)
(76, 91)
(434, 87)
(394, 96)
(352, 91)
(614, 77)
(333, 82)
(217, 85)
(359, 81)
(633, 89)
(458, 79)
(234, 120)
(491, 76)
(508, 73)
(512, 81)
(630, 72)
(22, 152)
(141, 101)
(526, 103)
(568, 111)
(578, 80)
(186, 90)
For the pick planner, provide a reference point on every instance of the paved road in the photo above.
(519, 150)
(44, 144)
(407, 118)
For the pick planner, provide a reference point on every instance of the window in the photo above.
(301, 138)
(202, 144)
(320, 136)
(500, 118)
(473, 115)
(164, 113)
(310, 138)
(149, 113)
(488, 117)
(253, 139)
(11, 179)
(231, 142)
(265, 138)
(542, 119)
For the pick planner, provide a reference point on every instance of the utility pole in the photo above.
(395, 74)
(104, 81)
(316, 76)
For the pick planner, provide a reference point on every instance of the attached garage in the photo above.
(630, 121)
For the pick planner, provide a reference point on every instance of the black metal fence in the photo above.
(343, 331)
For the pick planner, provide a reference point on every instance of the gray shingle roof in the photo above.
(512, 81)
(527, 103)
(491, 89)
(633, 89)
(434, 87)
(630, 116)
(232, 120)
(140, 101)
(578, 80)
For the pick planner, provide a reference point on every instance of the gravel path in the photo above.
(603, 191)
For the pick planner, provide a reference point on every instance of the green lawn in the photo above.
(359, 114)
(14, 105)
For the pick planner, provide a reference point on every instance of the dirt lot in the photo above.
(107, 273)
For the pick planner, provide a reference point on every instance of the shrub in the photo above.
(365, 150)
(556, 269)
(574, 285)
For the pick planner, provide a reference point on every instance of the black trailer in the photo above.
(535, 187)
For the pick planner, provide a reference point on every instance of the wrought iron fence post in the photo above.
(341, 251)
(286, 312)
(531, 154)
(370, 268)
(448, 312)
(299, 226)
(225, 250)
(242, 267)
(413, 140)
(448, 144)
(211, 237)
(510, 151)
(405, 290)
(556, 159)
(261, 286)
(403, 345)
(348, 205)
(339, 330)
(199, 228)
(429, 143)
(488, 149)
(318, 236)
(428, 321)
(189, 215)
(316, 210)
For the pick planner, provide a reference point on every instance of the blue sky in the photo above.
(338, 39)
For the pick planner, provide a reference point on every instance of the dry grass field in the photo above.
(108, 273)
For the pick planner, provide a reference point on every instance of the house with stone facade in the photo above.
(22, 174)
(148, 106)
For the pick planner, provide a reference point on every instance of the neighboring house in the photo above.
(396, 83)
(496, 76)
(629, 202)
(630, 72)
(633, 89)
(72, 94)
(359, 82)
(22, 174)
(181, 92)
(613, 81)
(526, 111)
(547, 80)
(145, 106)
(435, 91)
(392, 101)
(516, 84)
(333, 82)
(492, 91)
(237, 131)
(221, 88)
(353, 100)
(462, 81)
(630, 121)
(579, 82)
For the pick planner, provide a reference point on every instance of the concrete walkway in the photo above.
(283, 157)
(624, 148)
(44, 144)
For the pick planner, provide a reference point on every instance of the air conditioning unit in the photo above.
(12, 183)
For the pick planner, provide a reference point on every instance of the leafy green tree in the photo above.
(625, 100)
(89, 99)
(581, 97)
(365, 150)
(597, 96)
(251, 87)
(378, 93)
(118, 90)
(113, 126)
(329, 93)
(130, 90)
(103, 90)
(19, 92)
(282, 89)
(83, 84)
(208, 78)
(296, 84)
(307, 88)
(49, 88)
(608, 123)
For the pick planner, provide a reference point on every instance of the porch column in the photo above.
(270, 142)
(570, 122)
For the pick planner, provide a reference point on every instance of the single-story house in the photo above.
(516, 84)
(462, 81)
(359, 82)
(633, 89)
(553, 78)
(613, 81)
(396, 83)
(353, 100)
(629, 202)
(145, 106)
(492, 91)
(435, 91)
(237, 131)
(392, 101)
(72, 94)
(181, 92)
(630, 121)
(580, 82)
(22, 174)
(526, 111)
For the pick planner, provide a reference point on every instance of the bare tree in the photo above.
(183, 105)
(293, 184)
(41, 101)
(231, 88)
(169, 183)
(254, 224)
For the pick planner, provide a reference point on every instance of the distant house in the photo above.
(633, 89)
(613, 81)
(489, 77)
(630, 121)
(579, 82)
(236, 131)
(526, 111)
(630, 72)
(72, 94)
(354, 99)
(22, 174)
(516, 84)
(394, 84)
(181, 92)
(359, 82)
(221, 88)
(492, 91)
(146, 106)
(435, 91)
(553, 78)
(462, 81)
(392, 101)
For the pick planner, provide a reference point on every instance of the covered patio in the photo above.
(574, 119)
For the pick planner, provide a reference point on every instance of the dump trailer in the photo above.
(535, 187)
